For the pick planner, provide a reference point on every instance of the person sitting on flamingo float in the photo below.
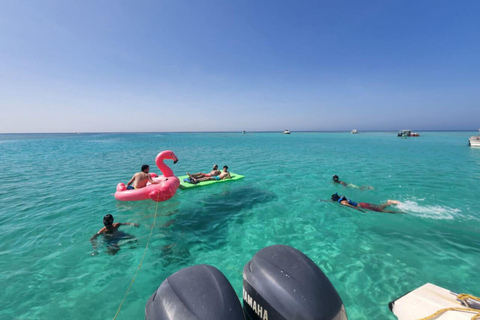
(140, 179)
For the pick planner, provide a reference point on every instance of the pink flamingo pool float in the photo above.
(157, 192)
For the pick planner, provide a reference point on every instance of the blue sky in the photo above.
(135, 66)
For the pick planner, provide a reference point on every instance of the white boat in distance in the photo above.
(407, 133)
(354, 131)
(474, 141)
(286, 131)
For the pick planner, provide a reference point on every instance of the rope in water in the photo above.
(461, 297)
(139, 266)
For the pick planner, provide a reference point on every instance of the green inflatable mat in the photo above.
(186, 185)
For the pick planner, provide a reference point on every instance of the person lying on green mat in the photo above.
(224, 175)
(213, 173)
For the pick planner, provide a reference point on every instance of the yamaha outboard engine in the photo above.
(281, 283)
(200, 292)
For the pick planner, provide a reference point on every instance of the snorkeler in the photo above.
(110, 230)
(337, 180)
(364, 205)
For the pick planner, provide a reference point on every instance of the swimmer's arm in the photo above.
(97, 234)
(94, 237)
(128, 224)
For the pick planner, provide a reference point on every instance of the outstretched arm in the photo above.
(129, 224)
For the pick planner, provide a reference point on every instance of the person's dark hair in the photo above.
(225, 167)
(145, 167)
(215, 166)
(335, 197)
(335, 177)
(108, 220)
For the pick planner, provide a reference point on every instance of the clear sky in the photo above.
(254, 65)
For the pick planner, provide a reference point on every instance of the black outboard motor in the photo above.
(200, 292)
(281, 283)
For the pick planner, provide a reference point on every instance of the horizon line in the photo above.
(236, 131)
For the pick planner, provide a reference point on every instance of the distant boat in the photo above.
(407, 133)
(354, 131)
(243, 132)
(474, 141)
(286, 131)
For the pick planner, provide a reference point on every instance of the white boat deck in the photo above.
(426, 301)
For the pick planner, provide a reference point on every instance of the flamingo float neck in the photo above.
(166, 171)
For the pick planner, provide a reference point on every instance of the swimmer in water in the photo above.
(111, 234)
(363, 205)
(337, 180)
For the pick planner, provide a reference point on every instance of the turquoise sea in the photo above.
(56, 188)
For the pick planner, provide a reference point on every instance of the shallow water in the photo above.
(57, 188)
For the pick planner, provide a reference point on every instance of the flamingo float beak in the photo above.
(175, 161)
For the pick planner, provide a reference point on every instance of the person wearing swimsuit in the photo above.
(224, 175)
(215, 172)
(336, 179)
(364, 205)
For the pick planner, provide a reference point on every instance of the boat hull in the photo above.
(474, 142)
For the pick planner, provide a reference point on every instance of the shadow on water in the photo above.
(204, 224)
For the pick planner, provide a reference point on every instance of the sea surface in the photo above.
(56, 188)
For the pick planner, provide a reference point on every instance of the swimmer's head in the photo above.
(215, 166)
(335, 178)
(108, 220)
(145, 168)
(335, 197)
(225, 168)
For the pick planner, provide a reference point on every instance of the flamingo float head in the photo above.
(167, 154)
